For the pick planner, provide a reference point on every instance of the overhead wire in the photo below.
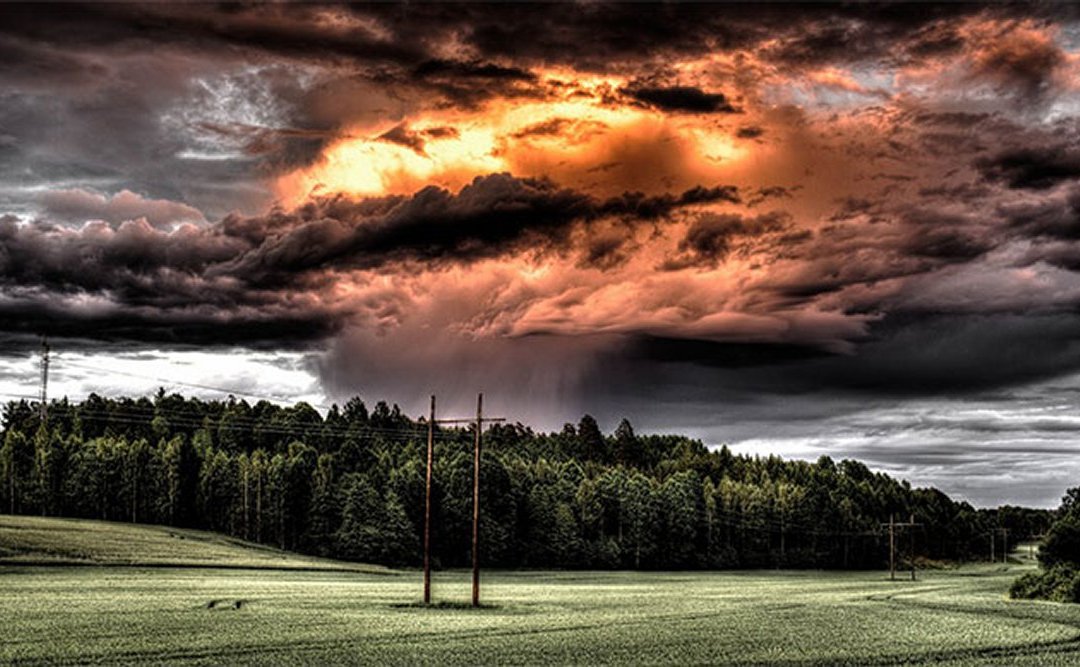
(417, 430)
(231, 392)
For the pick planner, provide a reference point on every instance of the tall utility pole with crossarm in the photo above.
(427, 503)
(480, 420)
(892, 526)
(432, 422)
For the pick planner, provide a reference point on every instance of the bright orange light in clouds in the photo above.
(578, 135)
(373, 166)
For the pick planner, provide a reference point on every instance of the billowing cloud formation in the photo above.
(1033, 168)
(78, 206)
(276, 268)
(698, 204)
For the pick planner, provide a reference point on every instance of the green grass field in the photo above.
(28, 540)
(255, 615)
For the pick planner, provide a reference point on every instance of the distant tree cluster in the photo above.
(350, 485)
(1059, 556)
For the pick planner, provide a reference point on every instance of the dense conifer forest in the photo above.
(350, 485)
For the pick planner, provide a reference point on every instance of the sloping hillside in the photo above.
(43, 541)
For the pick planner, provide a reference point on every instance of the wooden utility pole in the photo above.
(476, 503)
(479, 422)
(1005, 545)
(11, 481)
(258, 503)
(993, 559)
(893, 525)
(911, 544)
(247, 505)
(427, 503)
(892, 549)
(480, 419)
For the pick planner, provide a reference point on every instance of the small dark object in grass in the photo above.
(445, 604)
(225, 604)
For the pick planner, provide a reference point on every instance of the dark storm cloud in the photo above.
(847, 40)
(953, 280)
(467, 83)
(711, 354)
(771, 192)
(853, 32)
(713, 236)
(1034, 168)
(945, 244)
(76, 65)
(600, 35)
(904, 355)
(681, 99)
(493, 215)
(267, 270)
(293, 30)
(604, 36)
(401, 135)
(939, 354)
(1054, 219)
(140, 264)
(470, 70)
(927, 232)
(89, 331)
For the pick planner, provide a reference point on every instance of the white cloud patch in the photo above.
(281, 377)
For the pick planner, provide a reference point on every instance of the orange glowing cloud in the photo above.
(581, 133)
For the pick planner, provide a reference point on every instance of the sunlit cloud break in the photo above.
(738, 221)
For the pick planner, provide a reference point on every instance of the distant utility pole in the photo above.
(427, 503)
(993, 559)
(432, 421)
(893, 525)
(1004, 545)
(911, 544)
(892, 549)
(476, 498)
(43, 408)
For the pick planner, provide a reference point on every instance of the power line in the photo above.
(256, 427)
(232, 392)
(25, 397)
(893, 525)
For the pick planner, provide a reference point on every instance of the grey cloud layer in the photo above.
(248, 273)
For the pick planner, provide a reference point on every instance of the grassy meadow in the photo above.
(266, 614)
(29, 540)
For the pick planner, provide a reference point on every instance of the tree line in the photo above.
(1058, 578)
(350, 484)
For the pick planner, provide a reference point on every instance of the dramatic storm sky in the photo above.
(802, 230)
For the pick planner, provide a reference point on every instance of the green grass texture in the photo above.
(133, 614)
(27, 540)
